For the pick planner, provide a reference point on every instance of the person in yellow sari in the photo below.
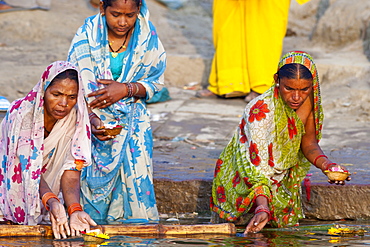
(248, 40)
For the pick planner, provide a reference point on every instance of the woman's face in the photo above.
(121, 16)
(295, 91)
(59, 99)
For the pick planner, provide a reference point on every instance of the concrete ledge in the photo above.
(327, 202)
(182, 196)
(332, 202)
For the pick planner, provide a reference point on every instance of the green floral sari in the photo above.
(264, 157)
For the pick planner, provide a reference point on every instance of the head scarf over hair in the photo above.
(264, 157)
(22, 147)
(306, 60)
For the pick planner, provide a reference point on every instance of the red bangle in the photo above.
(320, 156)
(328, 165)
(74, 207)
(45, 198)
(263, 210)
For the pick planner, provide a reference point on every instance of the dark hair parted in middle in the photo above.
(294, 71)
(107, 3)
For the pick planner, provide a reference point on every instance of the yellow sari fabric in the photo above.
(248, 39)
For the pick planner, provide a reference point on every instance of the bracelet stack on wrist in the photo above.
(46, 197)
(92, 115)
(262, 208)
(130, 89)
(74, 207)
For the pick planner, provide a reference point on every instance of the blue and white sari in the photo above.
(118, 186)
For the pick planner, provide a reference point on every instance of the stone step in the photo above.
(327, 202)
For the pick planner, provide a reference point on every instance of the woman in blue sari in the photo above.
(122, 62)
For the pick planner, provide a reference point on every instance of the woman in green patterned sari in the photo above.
(261, 169)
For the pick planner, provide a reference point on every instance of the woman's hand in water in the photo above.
(80, 221)
(58, 218)
(257, 223)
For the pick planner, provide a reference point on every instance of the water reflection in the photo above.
(309, 235)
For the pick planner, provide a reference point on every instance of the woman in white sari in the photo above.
(44, 143)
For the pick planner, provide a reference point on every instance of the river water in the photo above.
(305, 235)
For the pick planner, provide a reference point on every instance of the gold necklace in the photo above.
(115, 53)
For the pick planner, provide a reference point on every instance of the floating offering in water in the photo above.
(112, 130)
(345, 231)
(94, 236)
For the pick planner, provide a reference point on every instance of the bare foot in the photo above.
(251, 96)
(205, 93)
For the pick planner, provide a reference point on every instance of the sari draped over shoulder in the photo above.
(119, 184)
(264, 156)
(25, 155)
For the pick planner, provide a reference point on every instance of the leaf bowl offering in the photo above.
(337, 174)
(112, 130)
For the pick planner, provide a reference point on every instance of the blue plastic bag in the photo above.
(4, 103)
